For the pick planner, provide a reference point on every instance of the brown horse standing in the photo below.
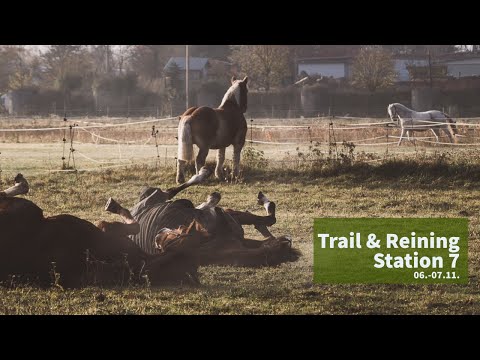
(214, 129)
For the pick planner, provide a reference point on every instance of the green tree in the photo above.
(265, 65)
(373, 68)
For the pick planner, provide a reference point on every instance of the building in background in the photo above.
(461, 64)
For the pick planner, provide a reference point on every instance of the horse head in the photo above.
(392, 112)
(183, 238)
(237, 93)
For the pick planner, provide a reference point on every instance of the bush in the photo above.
(254, 158)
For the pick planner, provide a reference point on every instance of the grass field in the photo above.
(420, 182)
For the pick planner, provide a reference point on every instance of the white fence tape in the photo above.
(87, 127)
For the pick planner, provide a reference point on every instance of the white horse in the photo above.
(410, 120)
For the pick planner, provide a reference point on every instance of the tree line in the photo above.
(126, 69)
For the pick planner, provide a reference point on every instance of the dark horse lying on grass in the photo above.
(171, 239)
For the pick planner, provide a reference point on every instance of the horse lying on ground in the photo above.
(411, 121)
(171, 239)
(157, 225)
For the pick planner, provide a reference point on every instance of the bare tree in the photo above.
(373, 68)
(102, 59)
(18, 67)
(67, 68)
(266, 65)
(59, 61)
(122, 55)
(148, 60)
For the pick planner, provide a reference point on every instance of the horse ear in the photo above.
(233, 79)
(245, 80)
(201, 230)
(191, 227)
(197, 227)
(182, 228)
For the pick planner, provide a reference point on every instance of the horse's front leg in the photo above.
(201, 158)
(237, 150)
(449, 134)
(436, 133)
(220, 160)
(401, 136)
(129, 226)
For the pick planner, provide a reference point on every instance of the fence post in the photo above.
(388, 131)
(251, 132)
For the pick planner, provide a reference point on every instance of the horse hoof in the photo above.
(214, 198)
(19, 178)
(112, 206)
(286, 240)
(261, 198)
(205, 172)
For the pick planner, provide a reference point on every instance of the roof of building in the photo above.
(195, 63)
(321, 60)
(458, 57)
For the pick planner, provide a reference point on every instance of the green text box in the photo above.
(357, 265)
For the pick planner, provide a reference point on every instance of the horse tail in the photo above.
(185, 143)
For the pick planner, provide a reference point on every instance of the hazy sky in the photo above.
(40, 48)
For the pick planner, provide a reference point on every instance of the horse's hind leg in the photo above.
(220, 161)
(260, 222)
(237, 150)
(247, 218)
(201, 158)
(20, 188)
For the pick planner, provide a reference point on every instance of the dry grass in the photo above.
(427, 184)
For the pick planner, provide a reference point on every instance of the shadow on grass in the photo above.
(394, 173)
